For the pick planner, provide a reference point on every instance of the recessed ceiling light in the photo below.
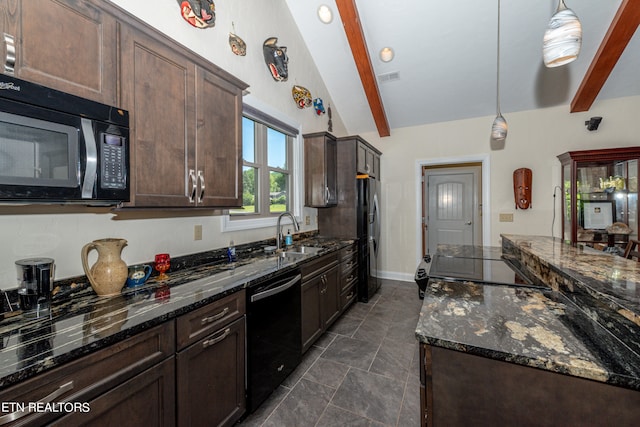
(386, 54)
(325, 14)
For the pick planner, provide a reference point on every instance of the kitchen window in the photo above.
(270, 176)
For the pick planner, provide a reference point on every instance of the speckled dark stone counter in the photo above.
(576, 327)
(82, 322)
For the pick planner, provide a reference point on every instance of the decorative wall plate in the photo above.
(301, 96)
(318, 105)
(276, 59)
(238, 46)
(199, 13)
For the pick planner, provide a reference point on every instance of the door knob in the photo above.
(468, 223)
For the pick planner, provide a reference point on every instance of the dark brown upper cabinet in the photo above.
(186, 116)
(66, 45)
(320, 170)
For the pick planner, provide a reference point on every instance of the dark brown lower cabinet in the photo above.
(460, 389)
(147, 399)
(210, 378)
(321, 304)
(142, 361)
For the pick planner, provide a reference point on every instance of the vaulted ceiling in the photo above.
(445, 60)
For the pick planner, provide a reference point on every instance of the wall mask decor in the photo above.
(199, 13)
(301, 96)
(522, 187)
(238, 46)
(318, 106)
(276, 59)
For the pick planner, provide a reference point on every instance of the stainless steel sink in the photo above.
(310, 250)
(299, 252)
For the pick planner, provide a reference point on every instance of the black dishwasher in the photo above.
(274, 345)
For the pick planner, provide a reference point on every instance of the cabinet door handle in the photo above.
(216, 340)
(350, 295)
(47, 399)
(201, 181)
(327, 194)
(10, 56)
(211, 319)
(194, 185)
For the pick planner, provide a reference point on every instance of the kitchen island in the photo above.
(519, 355)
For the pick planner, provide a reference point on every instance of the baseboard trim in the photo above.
(395, 275)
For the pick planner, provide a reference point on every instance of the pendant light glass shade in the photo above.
(499, 127)
(563, 38)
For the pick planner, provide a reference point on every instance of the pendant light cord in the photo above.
(498, 67)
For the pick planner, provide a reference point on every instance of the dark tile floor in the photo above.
(362, 372)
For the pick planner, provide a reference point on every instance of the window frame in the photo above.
(268, 116)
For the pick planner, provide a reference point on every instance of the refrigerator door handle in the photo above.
(375, 235)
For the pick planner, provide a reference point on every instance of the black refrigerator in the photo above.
(368, 235)
(356, 214)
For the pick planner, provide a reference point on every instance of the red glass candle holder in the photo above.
(162, 263)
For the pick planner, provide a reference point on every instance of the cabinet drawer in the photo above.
(348, 279)
(348, 252)
(348, 296)
(348, 264)
(201, 322)
(94, 374)
(319, 266)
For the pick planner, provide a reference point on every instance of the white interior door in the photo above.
(452, 198)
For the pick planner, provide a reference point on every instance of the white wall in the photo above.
(60, 233)
(535, 139)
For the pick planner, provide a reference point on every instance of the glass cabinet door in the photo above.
(600, 204)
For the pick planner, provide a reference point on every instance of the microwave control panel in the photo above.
(112, 151)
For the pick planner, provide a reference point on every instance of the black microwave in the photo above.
(59, 148)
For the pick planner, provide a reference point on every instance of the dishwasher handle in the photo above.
(276, 290)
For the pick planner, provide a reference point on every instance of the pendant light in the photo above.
(499, 127)
(563, 37)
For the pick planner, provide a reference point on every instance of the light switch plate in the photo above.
(506, 217)
(197, 232)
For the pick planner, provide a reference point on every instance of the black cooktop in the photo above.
(481, 270)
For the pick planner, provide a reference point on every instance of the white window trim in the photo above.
(239, 224)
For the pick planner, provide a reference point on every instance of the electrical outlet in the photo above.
(506, 217)
(197, 232)
(307, 220)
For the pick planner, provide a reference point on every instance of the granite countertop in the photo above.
(572, 328)
(83, 322)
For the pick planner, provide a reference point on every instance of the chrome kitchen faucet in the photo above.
(279, 228)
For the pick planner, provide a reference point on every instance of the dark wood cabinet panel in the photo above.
(321, 299)
(147, 399)
(157, 88)
(312, 324)
(93, 375)
(459, 389)
(211, 378)
(219, 141)
(331, 296)
(320, 169)
(199, 323)
(66, 45)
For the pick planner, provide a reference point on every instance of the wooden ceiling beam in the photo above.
(353, 29)
(622, 28)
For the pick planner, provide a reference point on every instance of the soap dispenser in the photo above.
(288, 239)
